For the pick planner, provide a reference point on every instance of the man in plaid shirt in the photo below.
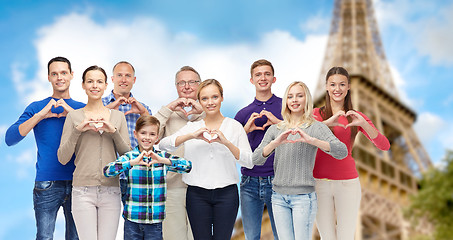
(121, 99)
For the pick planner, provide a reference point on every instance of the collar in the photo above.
(269, 101)
(111, 97)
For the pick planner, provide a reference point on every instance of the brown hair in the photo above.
(208, 82)
(147, 120)
(93, 68)
(261, 62)
(326, 110)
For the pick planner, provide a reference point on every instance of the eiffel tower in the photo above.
(387, 178)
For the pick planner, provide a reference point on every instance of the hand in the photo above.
(250, 125)
(202, 134)
(333, 120)
(136, 107)
(196, 107)
(139, 160)
(116, 104)
(106, 126)
(46, 112)
(283, 137)
(217, 136)
(66, 107)
(157, 159)
(357, 119)
(271, 119)
(87, 124)
(304, 137)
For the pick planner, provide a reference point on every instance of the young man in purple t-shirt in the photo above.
(256, 183)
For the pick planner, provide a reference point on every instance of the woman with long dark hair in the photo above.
(337, 182)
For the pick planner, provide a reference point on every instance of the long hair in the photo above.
(307, 117)
(326, 110)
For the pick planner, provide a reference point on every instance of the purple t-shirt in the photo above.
(273, 105)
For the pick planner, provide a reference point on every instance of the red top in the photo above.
(328, 167)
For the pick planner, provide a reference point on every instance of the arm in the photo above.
(30, 123)
(68, 142)
(175, 163)
(258, 156)
(366, 126)
(121, 137)
(324, 136)
(121, 164)
(169, 143)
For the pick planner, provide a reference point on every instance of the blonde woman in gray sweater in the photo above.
(295, 142)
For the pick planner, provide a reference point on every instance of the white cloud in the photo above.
(157, 54)
(429, 126)
(316, 24)
(26, 160)
(425, 23)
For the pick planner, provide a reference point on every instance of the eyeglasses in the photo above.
(191, 83)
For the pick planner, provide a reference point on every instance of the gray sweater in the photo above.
(293, 162)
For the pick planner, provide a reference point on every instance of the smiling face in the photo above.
(123, 79)
(296, 100)
(147, 136)
(60, 76)
(337, 87)
(94, 84)
(262, 78)
(210, 99)
(187, 83)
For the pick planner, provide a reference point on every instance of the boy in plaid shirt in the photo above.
(146, 170)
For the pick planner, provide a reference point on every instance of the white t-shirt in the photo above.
(213, 164)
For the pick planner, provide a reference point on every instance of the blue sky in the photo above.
(220, 39)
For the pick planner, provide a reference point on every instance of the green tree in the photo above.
(434, 200)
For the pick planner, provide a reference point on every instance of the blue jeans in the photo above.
(142, 231)
(48, 197)
(294, 215)
(212, 212)
(255, 192)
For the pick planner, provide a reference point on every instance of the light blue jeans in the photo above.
(255, 192)
(294, 215)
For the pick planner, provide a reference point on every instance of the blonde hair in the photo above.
(208, 82)
(307, 117)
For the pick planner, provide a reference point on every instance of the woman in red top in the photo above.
(337, 183)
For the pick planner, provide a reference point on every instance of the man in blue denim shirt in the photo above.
(256, 183)
(53, 182)
(122, 100)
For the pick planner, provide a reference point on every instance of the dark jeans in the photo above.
(142, 231)
(255, 192)
(48, 197)
(212, 212)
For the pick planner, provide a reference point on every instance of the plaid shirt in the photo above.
(146, 186)
(131, 118)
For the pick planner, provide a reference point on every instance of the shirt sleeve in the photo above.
(380, 141)
(118, 166)
(163, 115)
(338, 149)
(257, 156)
(69, 139)
(168, 143)
(12, 135)
(245, 152)
(178, 164)
(121, 136)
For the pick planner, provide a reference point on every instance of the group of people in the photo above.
(295, 160)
